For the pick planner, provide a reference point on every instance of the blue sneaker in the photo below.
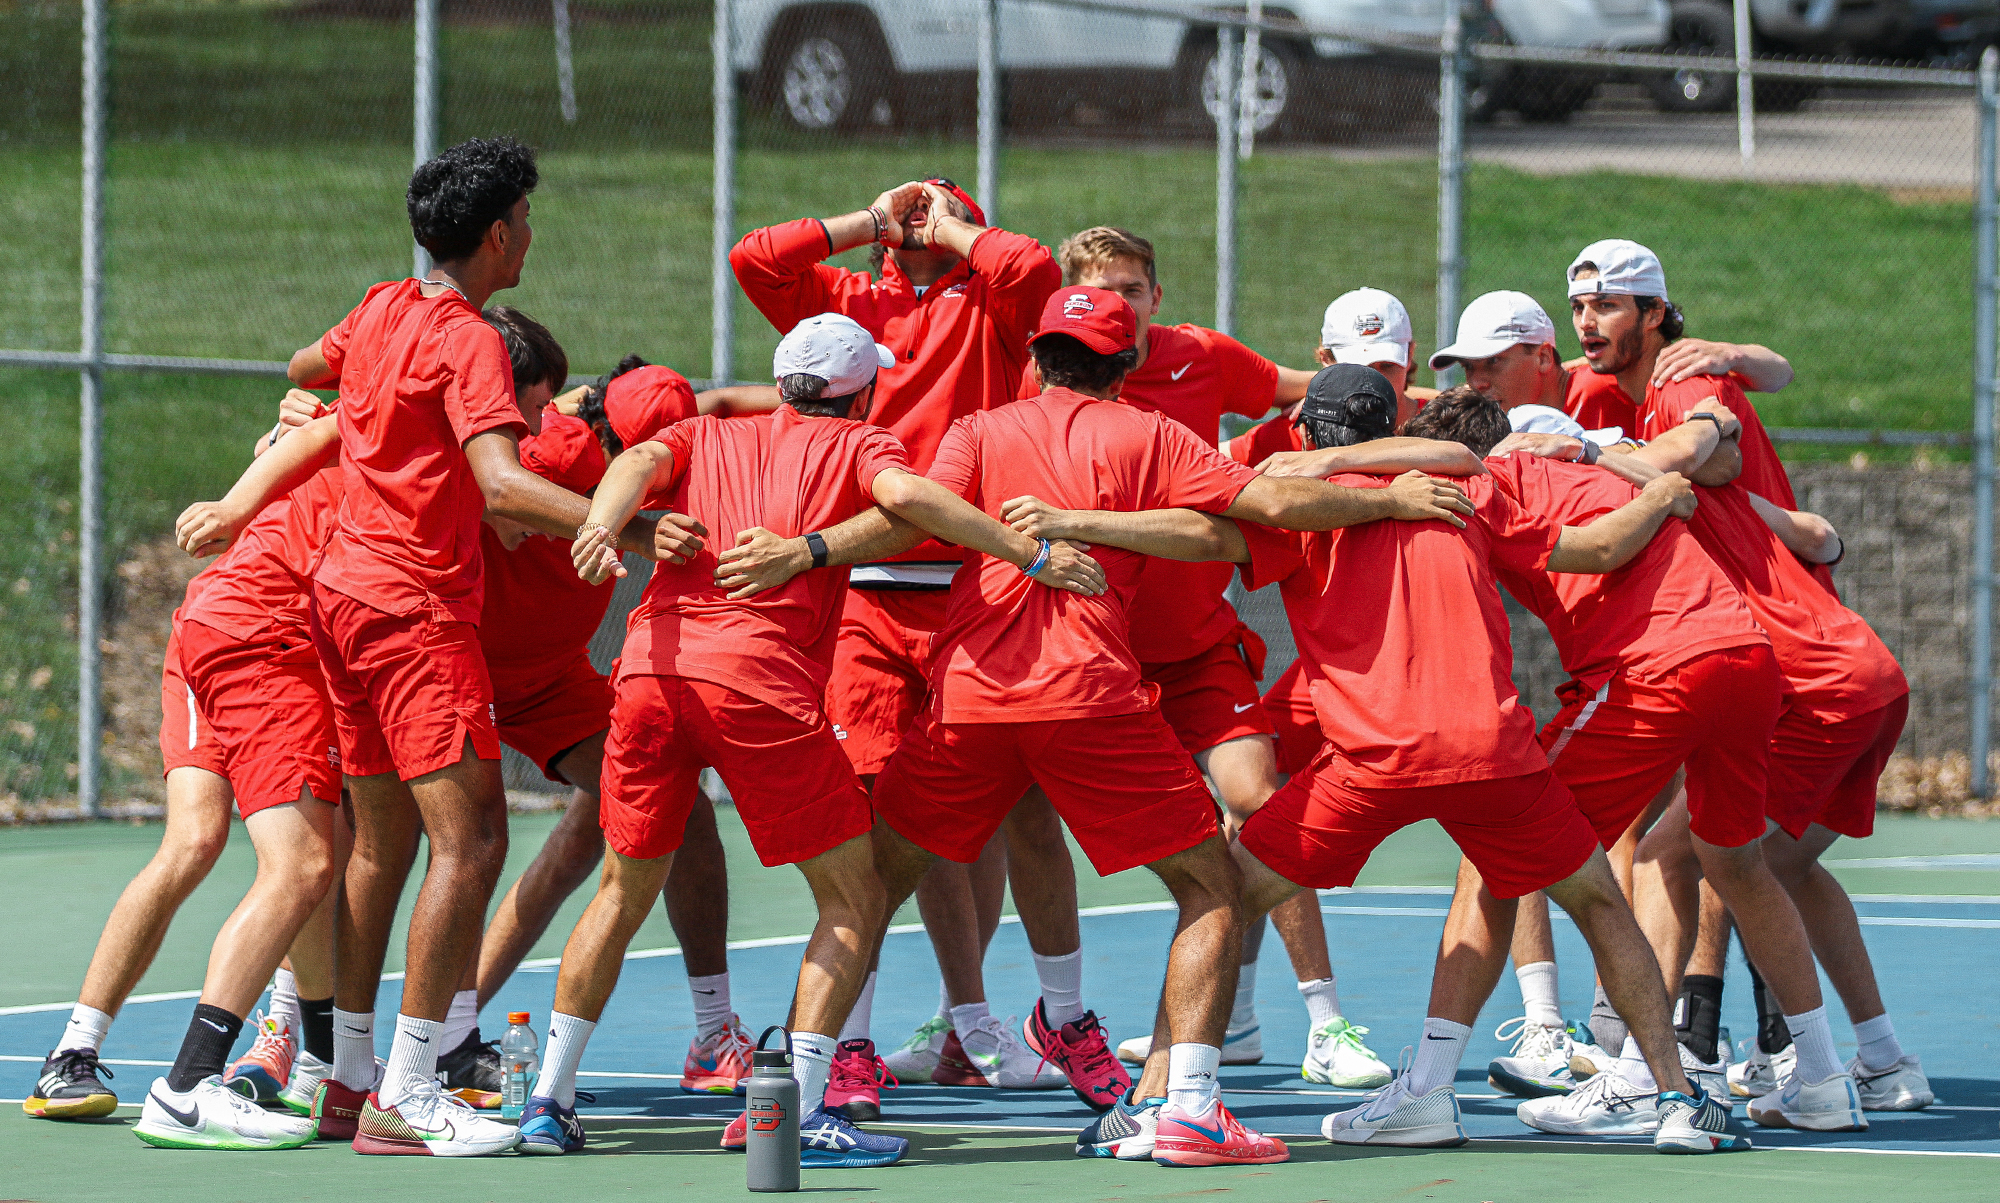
(828, 1140)
(1125, 1132)
(550, 1129)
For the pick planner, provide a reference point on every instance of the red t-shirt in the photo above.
(418, 379)
(1264, 440)
(789, 474)
(257, 589)
(1599, 401)
(1834, 664)
(1763, 472)
(959, 347)
(1667, 605)
(1193, 376)
(1402, 623)
(1013, 651)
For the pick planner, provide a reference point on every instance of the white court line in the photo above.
(101, 1061)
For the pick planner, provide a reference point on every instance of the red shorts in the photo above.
(1289, 706)
(545, 716)
(1212, 698)
(881, 669)
(1127, 789)
(1617, 749)
(793, 786)
(266, 703)
(1825, 773)
(1522, 833)
(186, 739)
(408, 690)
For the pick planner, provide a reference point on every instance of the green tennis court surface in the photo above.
(1933, 916)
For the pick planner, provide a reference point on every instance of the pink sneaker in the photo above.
(855, 1089)
(1078, 1048)
(736, 1137)
(1214, 1138)
(718, 1064)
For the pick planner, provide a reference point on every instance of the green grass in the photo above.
(258, 160)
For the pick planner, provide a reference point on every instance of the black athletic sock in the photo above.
(316, 1017)
(211, 1035)
(1698, 1015)
(1773, 1035)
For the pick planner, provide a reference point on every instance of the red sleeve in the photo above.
(333, 344)
(1020, 274)
(1263, 441)
(1249, 381)
(877, 450)
(1190, 473)
(479, 390)
(678, 439)
(956, 465)
(1274, 554)
(780, 270)
(1521, 538)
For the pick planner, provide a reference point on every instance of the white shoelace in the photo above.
(1531, 1040)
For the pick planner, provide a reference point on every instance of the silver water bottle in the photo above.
(771, 1096)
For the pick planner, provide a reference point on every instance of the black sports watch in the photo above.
(816, 545)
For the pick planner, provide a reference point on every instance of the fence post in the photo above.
(1451, 176)
(424, 135)
(722, 283)
(90, 471)
(1225, 179)
(1746, 87)
(1983, 336)
(565, 65)
(989, 110)
(1246, 92)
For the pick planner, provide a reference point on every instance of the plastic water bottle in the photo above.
(520, 1060)
(771, 1097)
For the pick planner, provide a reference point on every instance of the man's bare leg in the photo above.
(595, 954)
(1666, 881)
(697, 894)
(566, 860)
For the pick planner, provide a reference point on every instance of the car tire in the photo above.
(1698, 27)
(1282, 87)
(830, 74)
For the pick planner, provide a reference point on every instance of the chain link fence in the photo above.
(1277, 156)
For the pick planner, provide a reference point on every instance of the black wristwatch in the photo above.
(816, 545)
(1706, 417)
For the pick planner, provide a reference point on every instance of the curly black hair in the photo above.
(455, 198)
(591, 408)
(1066, 363)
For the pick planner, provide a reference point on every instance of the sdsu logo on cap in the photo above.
(1368, 325)
(1076, 304)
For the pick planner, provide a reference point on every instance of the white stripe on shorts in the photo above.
(193, 718)
(1589, 708)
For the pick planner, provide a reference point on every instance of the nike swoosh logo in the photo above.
(191, 1118)
(704, 992)
(1177, 376)
(1437, 1037)
(354, 1031)
(1244, 706)
(1217, 1134)
(421, 1039)
(218, 1027)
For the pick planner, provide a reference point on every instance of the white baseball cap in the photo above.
(1543, 419)
(1493, 323)
(1624, 268)
(834, 348)
(1367, 326)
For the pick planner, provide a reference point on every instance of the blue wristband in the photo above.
(1040, 561)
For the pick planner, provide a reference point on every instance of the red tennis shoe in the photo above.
(855, 1088)
(1079, 1049)
(1214, 1137)
(736, 1137)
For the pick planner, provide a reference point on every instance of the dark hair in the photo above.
(1324, 433)
(1673, 324)
(538, 358)
(1066, 363)
(879, 254)
(455, 198)
(801, 391)
(1461, 415)
(591, 408)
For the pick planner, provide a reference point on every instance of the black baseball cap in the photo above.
(1352, 395)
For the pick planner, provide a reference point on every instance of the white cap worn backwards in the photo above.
(1493, 323)
(834, 348)
(1542, 419)
(1367, 326)
(1623, 268)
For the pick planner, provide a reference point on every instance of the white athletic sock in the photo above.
(1322, 1000)
(86, 1028)
(812, 1060)
(1814, 1040)
(1062, 987)
(1438, 1055)
(858, 1019)
(285, 1007)
(567, 1037)
(1540, 1001)
(1633, 1068)
(459, 1021)
(944, 1002)
(711, 1003)
(1192, 1085)
(1879, 1048)
(413, 1057)
(1244, 1013)
(354, 1048)
(968, 1017)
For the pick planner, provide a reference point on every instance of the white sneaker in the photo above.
(1695, 1126)
(1833, 1105)
(430, 1122)
(1586, 1058)
(996, 1050)
(1394, 1116)
(1760, 1074)
(1605, 1105)
(1335, 1056)
(1240, 1046)
(307, 1073)
(212, 1116)
(1538, 1064)
(1901, 1087)
(1711, 1079)
(918, 1056)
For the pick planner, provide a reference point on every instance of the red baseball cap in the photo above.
(645, 401)
(978, 214)
(1095, 317)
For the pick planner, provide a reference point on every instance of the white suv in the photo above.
(855, 63)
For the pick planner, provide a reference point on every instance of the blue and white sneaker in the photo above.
(1125, 1132)
(829, 1140)
(550, 1129)
(1695, 1125)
